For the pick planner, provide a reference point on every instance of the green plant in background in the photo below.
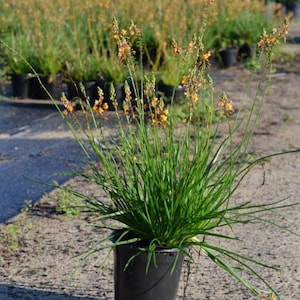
(223, 31)
(81, 67)
(176, 65)
(111, 70)
(84, 31)
(170, 184)
(250, 24)
(80, 59)
(21, 44)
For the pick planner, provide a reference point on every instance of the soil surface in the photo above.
(39, 247)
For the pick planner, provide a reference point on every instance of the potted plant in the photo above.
(224, 37)
(18, 62)
(170, 185)
(81, 69)
(47, 39)
(177, 62)
(49, 64)
(81, 58)
(249, 25)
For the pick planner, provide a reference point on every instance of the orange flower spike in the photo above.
(226, 104)
(133, 30)
(69, 108)
(267, 41)
(100, 94)
(116, 34)
(97, 108)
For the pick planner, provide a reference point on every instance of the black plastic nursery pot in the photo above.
(132, 281)
(119, 93)
(75, 90)
(20, 85)
(52, 84)
(228, 57)
(170, 91)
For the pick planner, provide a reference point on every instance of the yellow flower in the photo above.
(126, 108)
(184, 80)
(271, 297)
(69, 107)
(154, 121)
(226, 104)
(194, 97)
(100, 107)
(153, 102)
(105, 106)
(163, 118)
(206, 56)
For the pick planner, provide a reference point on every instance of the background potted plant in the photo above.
(81, 69)
(170, 184)
(176, 64)
(226, 39)
(49, 64)
(249, 25)
(17, 63)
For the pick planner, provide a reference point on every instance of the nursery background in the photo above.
(73, 41)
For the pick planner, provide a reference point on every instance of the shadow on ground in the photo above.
(11, 292)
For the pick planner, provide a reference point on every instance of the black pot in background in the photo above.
(119, 90)
(294, 9)
(53, 85)
(247, 51)
(159, 283)
(228, 57)
(75, 91)
(169, 91)
(20, 85)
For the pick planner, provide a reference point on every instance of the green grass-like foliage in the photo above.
(170, 184)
